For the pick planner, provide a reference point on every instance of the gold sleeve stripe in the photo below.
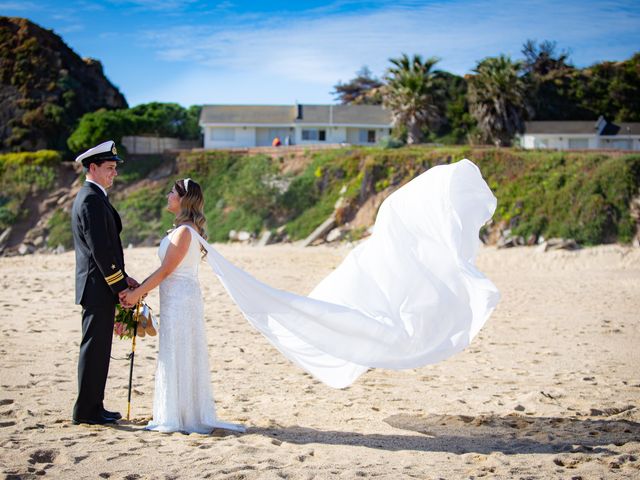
(110, 277)
(115, 280)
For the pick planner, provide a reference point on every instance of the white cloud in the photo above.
(157, 5)
(277, 57)
(17, 6)
(321, 49)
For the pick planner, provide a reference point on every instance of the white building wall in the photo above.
(337, 135)
(242, 137)
(329, 135)
(239, 137)
(559, 142)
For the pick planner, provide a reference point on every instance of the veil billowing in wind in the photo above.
(408, 296)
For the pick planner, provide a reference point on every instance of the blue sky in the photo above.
(276, 52)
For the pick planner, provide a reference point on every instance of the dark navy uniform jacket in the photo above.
(96, 226)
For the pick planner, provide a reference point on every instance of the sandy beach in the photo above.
(550, 388)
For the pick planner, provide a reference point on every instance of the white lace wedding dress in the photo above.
(407, 296)
(183, 399)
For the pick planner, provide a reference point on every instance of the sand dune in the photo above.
(549, 389)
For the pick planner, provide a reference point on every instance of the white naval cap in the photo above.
(104, 152)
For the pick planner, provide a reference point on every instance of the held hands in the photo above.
(129, 297)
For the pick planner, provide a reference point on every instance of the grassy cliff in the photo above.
(585, 196)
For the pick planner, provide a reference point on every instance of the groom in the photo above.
(100, 276)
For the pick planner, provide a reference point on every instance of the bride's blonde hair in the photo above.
(191, 206)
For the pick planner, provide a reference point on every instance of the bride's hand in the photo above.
(129, 297)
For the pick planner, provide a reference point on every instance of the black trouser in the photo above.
(93, 363)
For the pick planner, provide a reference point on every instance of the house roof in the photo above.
(288, 114)
(243, 114)
(623, 128)
(580, 127)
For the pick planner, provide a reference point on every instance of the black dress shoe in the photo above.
(108, 414)
(101, 420)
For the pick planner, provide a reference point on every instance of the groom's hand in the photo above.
(123, 298)
(132, 282)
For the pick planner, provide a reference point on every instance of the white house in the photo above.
(581, 135)
(226, 126)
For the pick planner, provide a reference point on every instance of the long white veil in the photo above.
(407, 296)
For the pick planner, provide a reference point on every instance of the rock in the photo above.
(233, 235)
(25, 249)
(38, 242)
(162, 171)
(506, 242)
(4, 237)
(519, 408)
(244, 236)
(321, 231)
(265, 239)
(50, 60)
(49, 202)
(335, 234)
(560, 244)
(532, 239)
(59, 249)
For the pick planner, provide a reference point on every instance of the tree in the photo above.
(100, 126)
(413, 94)
(542, 59)
(498, 99)
(362, 90)
(162, 119)
(551, 80)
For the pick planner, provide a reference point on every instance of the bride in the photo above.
(183, 400)
(408, 296)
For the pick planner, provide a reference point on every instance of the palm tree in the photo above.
(362, 90)
(412, 94)
(497, 99)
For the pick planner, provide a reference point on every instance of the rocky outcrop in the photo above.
(45, 87)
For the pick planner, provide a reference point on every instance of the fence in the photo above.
(148, 145)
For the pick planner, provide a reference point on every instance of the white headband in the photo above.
(186, 185)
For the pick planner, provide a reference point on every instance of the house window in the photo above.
(618, 143)
(367, 136)
(578, 143)
(540, 143)
(313, 134)
(223, 134)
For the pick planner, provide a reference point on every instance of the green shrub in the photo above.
(584, 196)
(138, 167)
(144, 215)
(23, 174)
(59, 226)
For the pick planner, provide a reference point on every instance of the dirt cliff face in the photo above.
(45, 87)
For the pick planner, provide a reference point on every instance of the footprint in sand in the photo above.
(43, 456)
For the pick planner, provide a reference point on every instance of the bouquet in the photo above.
(126, 322)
